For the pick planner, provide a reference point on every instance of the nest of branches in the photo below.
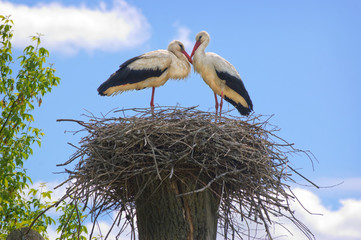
(241, 160)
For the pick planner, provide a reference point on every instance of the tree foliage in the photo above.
(18, 96)
(70, 223)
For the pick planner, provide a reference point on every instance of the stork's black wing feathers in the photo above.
(127, 75)
(236, 85)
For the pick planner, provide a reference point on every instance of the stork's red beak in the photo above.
(188, 57)
(196, 45)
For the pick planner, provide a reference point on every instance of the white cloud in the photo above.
(183, 35)
(70, 28)
(343, 223)
(102, 228)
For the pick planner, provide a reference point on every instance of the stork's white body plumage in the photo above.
(220, 75)
(152, 69)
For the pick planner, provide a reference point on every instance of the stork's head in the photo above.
(177, 46)
(201, 37)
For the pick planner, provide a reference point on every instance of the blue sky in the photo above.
(299, 60)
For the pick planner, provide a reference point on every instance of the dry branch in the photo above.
(242, 161)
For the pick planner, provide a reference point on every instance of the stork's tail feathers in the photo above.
(241, 109)
(101, 89)
(107, 87)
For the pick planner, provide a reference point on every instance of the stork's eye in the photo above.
(199, 38)
(181, 46)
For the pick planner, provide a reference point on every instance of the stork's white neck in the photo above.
(202, 47)
(199, 54)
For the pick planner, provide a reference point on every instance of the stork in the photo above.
(151, 69)
(220, 76)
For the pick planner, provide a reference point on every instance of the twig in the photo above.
(238, 159)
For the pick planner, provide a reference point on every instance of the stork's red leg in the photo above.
(221, 105)
(215, 98)
(152, 99)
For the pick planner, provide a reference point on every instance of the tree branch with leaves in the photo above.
(19, 95)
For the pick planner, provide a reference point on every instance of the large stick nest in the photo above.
(245, 164)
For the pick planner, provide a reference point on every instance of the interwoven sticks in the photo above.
(245, 164)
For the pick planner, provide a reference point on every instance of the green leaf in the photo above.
(18, 94)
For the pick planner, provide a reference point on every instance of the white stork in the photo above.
(151, 69)
(220, 76)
